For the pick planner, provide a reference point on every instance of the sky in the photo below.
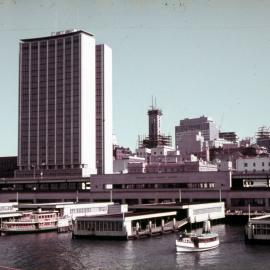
(197, 57)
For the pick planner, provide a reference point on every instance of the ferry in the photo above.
(31, 222)
(192, 242)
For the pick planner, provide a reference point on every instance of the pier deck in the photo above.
(167, 228)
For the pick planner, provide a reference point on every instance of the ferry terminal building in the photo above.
(237, 190)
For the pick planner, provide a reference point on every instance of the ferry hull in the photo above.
(28, 231)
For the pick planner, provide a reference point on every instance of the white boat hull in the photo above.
(190, 247)
(181, 248)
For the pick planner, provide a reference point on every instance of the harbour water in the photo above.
(54, 251)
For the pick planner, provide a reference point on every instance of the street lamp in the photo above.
(220, 198)
(77, 196)
(34, 167)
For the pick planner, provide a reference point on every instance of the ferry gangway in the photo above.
(168, 227)
(178, 224)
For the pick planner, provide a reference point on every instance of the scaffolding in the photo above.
(159, 140)
(263, 137)
(154, 138)
(263, 133)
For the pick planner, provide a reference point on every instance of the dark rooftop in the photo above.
(64, 34)
(126, 214)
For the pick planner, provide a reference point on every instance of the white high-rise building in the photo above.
(104, 136)
(57, 105)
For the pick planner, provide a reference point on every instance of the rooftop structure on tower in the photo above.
(154, 138)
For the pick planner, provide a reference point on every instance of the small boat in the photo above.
(192, 242)
(31, 222)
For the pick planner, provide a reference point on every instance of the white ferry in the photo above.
(191, 242)
(31, 222)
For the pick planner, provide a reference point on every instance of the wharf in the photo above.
(167, 228)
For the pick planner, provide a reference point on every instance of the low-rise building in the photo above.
(72, 210)
(229, 136)
(136, 167)
(144, 152)
(237, 189)
(8, 210)
(187, 166)
(122, 165)
(7, 166)
(164, 154)
(222, 143)
(120, 152)
(123, 225)
(162, 187)
(190, 142)
(253, 164)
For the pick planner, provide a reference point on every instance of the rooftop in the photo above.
(58, 34)
(130, 215)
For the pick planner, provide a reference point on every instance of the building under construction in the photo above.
(229, 136)
(154, 138)
(263, 137)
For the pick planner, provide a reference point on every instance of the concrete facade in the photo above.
(255, 164)
(104, 136)
(237, 190)
(57, 105)
(204, 124)
(190, 142)
(121, 165)
(7, 166)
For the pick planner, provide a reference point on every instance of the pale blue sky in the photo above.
(197, 57)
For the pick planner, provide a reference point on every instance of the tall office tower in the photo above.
(57, 105)
(104, 136)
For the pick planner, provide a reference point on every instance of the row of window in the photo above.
(88, 210)
(99, 225)
(254, 170)
(46, 187)
(261, 231)
(202, 185)
(254, 164)
(207, 210)
(51, 56)
(246, 202)
(51, 49)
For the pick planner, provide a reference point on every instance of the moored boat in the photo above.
(31, 222)
(192, 242)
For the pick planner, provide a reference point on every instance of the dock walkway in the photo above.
(167, 228)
